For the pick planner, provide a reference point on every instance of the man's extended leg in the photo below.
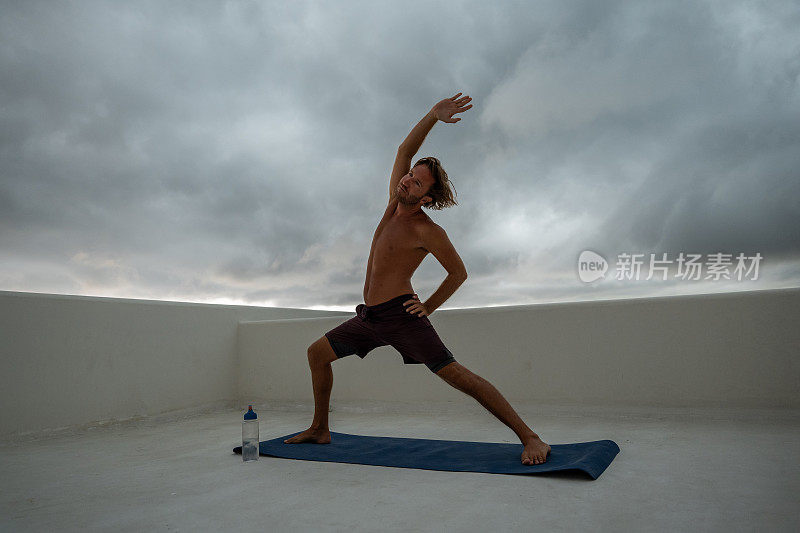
(458, 376)
(320, 356)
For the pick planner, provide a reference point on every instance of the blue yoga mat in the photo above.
(448, 455)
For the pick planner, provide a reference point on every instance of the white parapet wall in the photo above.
(733, 350)
(68, 360)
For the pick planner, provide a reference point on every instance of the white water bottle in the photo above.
(250, 435)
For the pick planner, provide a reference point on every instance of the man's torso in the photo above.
(395, 254)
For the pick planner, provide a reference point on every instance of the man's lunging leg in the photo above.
(458, 376)
(320, 355)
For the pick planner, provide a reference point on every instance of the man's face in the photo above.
(414, 186)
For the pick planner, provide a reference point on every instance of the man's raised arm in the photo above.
(443, 111)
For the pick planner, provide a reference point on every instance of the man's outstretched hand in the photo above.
(448, 107)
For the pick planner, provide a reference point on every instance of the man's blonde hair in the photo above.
(442, 191)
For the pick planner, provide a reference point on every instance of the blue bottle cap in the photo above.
(250, 414)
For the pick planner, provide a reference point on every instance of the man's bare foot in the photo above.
(535, 452)
(318, 436)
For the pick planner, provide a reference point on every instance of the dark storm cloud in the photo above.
(665, 129)
(202, 150)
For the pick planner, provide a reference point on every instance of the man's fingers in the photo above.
(416, 309)
(456, 96)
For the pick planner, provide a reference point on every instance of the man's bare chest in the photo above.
(397, 237)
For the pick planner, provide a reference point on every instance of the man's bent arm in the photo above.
(445, 291)
(435, 240)
(415, 139)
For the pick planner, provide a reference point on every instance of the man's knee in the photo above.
(458, 376)
(320, 352)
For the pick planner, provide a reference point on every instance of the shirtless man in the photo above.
(392, 313)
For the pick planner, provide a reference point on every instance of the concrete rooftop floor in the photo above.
(679, 470)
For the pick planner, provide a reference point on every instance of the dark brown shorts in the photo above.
(389, 323)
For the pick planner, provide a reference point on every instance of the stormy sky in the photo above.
(239, 152)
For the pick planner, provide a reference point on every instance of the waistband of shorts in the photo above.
(397, 300)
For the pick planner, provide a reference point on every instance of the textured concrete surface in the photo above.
(677, 471)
